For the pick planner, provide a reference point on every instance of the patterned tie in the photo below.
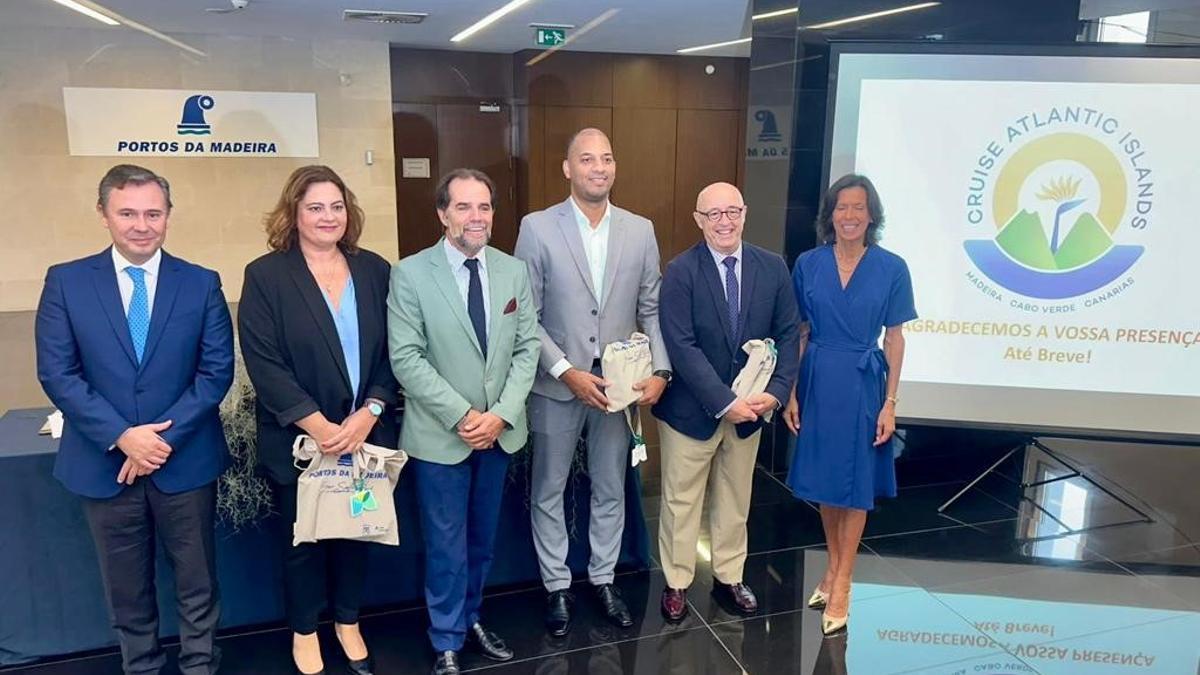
(731, 295)
(475, 303)
(139, 310)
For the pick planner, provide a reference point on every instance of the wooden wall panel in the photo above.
(722, 90)
(561, 123)
(706, 152)
(565, 78)
(645, 81)
(435, 75)
(530, 123)
(414, 134)
(644, 145)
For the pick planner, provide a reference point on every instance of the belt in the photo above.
(872, 366)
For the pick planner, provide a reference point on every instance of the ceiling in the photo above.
(637, 26)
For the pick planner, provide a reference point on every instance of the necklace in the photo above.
(850, 266)
(327, 277)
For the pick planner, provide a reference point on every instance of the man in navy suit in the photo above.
(135, 347)
(715, 296)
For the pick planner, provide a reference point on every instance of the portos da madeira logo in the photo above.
(1062, 201)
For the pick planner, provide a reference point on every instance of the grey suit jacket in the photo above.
(571, 323)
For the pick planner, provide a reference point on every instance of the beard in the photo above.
(469, 247)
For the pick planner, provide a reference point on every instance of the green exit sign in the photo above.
(549, 37)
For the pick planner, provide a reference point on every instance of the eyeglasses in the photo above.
(732, 213)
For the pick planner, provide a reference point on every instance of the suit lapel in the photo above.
(109, 297)
(716, 289)
(570, 232)
(500, 290)
(616, 237)
(443, 276)
(322, 319)
(165, 292)
(749, 278)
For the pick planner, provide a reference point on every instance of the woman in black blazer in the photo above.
(312, 325)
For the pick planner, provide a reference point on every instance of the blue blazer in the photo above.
(695, 324)
(87, 366)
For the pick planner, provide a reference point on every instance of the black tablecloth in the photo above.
(52, 602)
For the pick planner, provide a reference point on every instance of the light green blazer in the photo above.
(438, 361)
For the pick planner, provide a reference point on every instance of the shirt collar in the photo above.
(720, 257)
(582, 220)
(150, 266)
(456, 258)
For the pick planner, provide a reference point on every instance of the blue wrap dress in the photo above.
(843, 376)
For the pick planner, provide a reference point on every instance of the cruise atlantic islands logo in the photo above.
(1068, 194)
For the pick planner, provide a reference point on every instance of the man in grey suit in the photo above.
(594, 271)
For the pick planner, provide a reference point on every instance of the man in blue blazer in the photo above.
(716, 296)
(135, 347)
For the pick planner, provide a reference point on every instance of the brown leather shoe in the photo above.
(737, 597)
(674, 604)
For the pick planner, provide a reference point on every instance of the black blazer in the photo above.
(294, 358)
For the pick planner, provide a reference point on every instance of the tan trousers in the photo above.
(724, 467)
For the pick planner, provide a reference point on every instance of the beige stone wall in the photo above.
(49, 196)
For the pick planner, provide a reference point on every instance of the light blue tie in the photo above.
(139, 310)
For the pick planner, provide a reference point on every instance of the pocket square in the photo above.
(511, 306)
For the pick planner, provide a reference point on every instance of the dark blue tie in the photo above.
(475, 304)
(731, 295)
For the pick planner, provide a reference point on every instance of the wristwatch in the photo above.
(374, 407)
(664, 374)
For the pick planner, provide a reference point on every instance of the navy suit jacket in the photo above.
(694, 316)
(87, 366)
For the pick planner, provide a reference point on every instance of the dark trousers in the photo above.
(460, 508)
(124, 529)
(313, 574)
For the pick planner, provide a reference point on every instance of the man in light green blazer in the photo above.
(462, 333)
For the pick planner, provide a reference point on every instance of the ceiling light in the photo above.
(872, 15)
(772, 15)
(714, 45)
(487, 20)
(89, 11)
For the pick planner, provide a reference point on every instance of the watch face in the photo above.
(375, 409)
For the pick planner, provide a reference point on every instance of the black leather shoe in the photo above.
(361, 666)
(446, 664)
(737, 597)
(674, 604)
(558, 612)
(614, 606)
(488, 643)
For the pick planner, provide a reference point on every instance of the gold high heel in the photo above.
(819, 599)
(831, 625)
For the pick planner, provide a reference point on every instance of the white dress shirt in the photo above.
(595, 249)
(462, 277)
(125, 282)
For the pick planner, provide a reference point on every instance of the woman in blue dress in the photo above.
(844, 405)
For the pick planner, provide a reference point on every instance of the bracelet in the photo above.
(894, 399)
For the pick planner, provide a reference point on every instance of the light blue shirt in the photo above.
(462, 277)
(595, 244)
(719, 258)
(345, 319)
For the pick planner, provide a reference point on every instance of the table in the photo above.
(53, 603)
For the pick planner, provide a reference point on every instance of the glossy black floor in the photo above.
(987, 587)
